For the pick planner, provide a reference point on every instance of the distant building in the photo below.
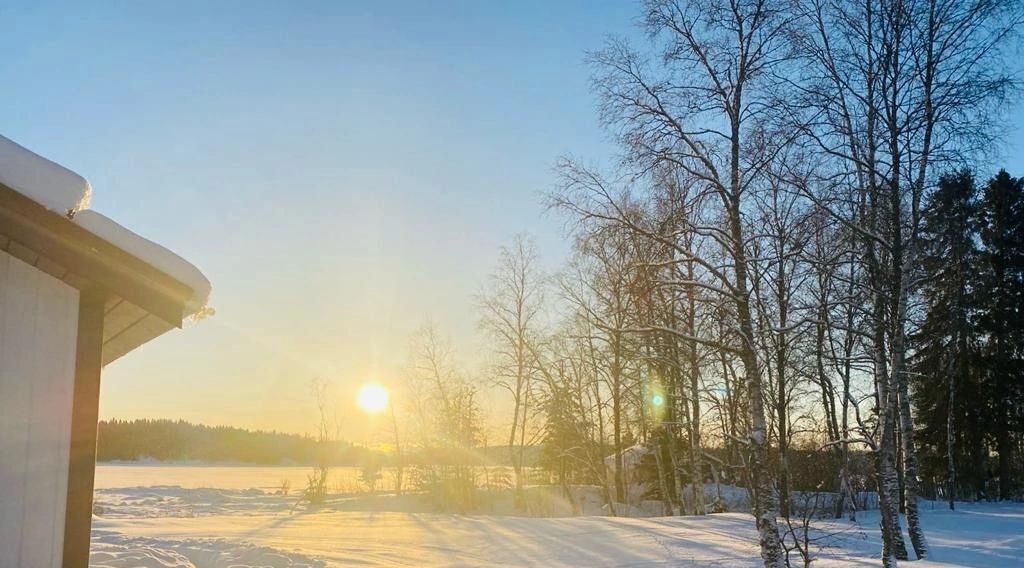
(632, 457)
(77, 291)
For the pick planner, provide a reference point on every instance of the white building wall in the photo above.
(38, 329)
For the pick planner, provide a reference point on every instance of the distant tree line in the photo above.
(179, 440)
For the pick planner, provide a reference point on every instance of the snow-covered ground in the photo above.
(111, 549)
(173, 526)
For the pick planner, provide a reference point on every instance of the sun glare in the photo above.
(373, 398)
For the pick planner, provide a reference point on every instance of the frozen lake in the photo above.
(268, 478)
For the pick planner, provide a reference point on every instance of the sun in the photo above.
(372, 398)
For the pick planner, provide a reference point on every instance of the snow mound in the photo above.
(114, 550)
(50, 184)
(153, 254)
(174, 501)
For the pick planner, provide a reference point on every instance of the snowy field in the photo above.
(160, 526)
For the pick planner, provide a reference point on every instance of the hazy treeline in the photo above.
(179, 440)
(170, 440)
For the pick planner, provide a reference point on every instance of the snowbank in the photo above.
(114, 550)
(63, 191)
(174, 501)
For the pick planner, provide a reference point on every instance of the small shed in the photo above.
(632, 458)
(77, 291)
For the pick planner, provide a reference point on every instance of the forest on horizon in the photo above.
(167, 440)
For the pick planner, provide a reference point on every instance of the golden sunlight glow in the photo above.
(372, 398)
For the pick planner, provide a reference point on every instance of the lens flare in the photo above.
(372, 398)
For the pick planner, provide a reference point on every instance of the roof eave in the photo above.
(83, 260)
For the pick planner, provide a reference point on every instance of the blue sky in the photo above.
(342, 171)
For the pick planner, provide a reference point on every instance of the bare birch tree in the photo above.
(510, 309)
(896, 88)
(697, 112)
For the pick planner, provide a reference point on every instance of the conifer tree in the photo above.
(1001, 220)
(947, 340)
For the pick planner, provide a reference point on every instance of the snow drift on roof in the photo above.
(63, 191)
(50, 184)
(153, 254)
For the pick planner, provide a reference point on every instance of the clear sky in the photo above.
(342, 171)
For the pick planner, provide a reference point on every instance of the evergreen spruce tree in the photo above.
(947, 339)
(1001, 221)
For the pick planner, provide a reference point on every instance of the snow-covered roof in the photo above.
(153, 254)
(64, 192)
(631, 456)
(48, 183)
